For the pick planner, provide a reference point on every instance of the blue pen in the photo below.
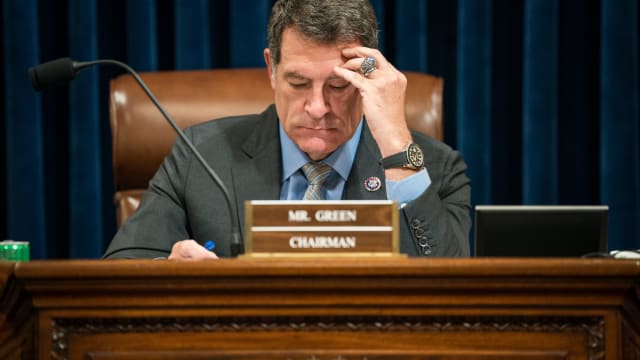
(209, 245)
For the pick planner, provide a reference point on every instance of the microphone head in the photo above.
(52, 73)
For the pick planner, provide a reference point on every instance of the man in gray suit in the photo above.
(338, 113)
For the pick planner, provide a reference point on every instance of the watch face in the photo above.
(415, 156)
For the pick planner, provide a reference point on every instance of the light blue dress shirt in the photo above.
(294, 183)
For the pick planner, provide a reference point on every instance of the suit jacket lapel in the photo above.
(365, 165)
(257, 174)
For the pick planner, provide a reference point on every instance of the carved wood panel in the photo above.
(324, 338)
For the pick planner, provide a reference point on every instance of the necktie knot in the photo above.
(316, 173)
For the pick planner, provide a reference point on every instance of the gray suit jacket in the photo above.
(182, 202)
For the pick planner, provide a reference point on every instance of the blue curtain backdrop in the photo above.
(541, 96)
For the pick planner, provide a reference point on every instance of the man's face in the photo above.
(318, 109)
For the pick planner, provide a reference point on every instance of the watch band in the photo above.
(411, 158)
(395, 161)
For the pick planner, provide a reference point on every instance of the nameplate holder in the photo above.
(321, 228)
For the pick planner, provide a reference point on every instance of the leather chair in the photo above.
(142, 137)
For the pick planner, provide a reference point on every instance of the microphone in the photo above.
(63, 70)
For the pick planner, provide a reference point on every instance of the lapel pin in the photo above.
(372, 183)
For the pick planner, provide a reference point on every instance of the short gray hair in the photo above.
(324, 21)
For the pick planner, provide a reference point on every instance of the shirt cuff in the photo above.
(409, 188)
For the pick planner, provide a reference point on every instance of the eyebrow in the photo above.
(295, 75)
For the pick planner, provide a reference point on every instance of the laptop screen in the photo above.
(540, 231)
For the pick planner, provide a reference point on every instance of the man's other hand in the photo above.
(190, 250)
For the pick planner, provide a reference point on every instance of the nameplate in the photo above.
(321, 228)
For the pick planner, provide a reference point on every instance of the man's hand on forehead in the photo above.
(383, 97)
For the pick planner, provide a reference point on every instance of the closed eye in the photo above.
(298, 85)
(340, 87)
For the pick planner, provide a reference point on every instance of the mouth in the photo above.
(318, 130)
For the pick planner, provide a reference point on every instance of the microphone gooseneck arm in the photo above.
(237, 247)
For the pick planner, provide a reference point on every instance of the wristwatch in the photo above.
(411, 158)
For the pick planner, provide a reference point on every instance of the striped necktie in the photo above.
(316, 173)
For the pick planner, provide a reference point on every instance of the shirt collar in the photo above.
(340, 160)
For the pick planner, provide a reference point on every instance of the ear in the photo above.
(270, 69)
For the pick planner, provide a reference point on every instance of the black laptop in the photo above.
(540, 231)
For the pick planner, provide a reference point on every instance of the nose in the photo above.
(317, 105)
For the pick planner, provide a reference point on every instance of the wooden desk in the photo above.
(321, 309)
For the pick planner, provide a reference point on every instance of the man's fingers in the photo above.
(361, 51)
(353, 64)
(357, 54)
(355, 78)
(190, 250)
